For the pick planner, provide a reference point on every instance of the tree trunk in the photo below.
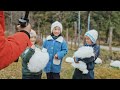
(110, 42)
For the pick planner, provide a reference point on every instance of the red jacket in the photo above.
(11, 47)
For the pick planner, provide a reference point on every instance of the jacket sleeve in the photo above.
(12, 47)
(97, 52)
(2, 21)
(44, 44)
(27, 54)
(87, 60)
(63, 51)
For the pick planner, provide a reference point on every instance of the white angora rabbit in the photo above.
(82, 52)
(39, 60)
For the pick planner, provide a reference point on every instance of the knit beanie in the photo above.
(32, 33)
(56, 23)
(92, 34)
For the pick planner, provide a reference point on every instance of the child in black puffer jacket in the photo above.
(90, 40)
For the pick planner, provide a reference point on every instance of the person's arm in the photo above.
(63, 52)
(12, 47)
(44, 44)
(27, 55)
(87, 60)
(97, 52)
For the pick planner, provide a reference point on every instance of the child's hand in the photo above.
(75, 60)
(56, 56)
(27, 28)
(33, 46)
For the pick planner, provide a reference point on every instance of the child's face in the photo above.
(88, 40)
(33, 39)
(56, 31)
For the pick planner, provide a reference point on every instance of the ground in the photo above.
(102, 71)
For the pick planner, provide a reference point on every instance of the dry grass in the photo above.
(102, 71)
(13, 71)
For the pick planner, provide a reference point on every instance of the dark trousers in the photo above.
(79, 75)
(32, 76)
(52, 75)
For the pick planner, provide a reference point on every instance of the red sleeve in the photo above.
(11, 47)
(2, 21)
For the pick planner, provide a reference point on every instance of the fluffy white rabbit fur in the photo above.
(115, 63)
(98, 61)
(39, 60)
(82, 52)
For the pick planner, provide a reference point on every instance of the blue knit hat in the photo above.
(92, 34)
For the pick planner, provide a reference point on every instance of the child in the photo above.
(26, 74)
(90, 40)
(57, 49)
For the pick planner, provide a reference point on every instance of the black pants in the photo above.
(52, 75)
(79, 75)
(32, 76)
